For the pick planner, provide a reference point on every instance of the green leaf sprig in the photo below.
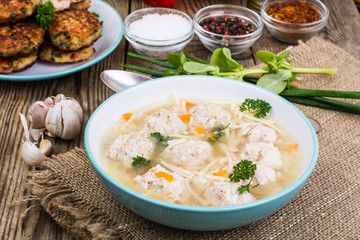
(244, 170)
(259, 108)
(160, 140)
(278, 76)
(45, 14)
(218, 132)
(139, 160)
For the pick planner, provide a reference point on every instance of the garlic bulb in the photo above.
(61, 116)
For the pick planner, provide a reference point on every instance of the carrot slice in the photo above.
(212, 138)
(221, 173)
(127, 116)
(189, 105)
(153, 170)
(291, 147)
(185, 118)
(166, 176)
(199, 130)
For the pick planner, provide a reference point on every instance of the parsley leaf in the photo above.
(218, 133)
(244, 170)
(161, 141)
(45, 14)
(258, 107)
(139, 160)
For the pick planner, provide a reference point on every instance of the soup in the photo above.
(184, 151)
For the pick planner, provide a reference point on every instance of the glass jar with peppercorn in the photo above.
(231, 26)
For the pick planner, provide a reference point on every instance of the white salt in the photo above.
(160, 27)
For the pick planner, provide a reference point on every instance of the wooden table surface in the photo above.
(343, 29)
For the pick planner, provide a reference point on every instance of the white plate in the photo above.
(112, 33)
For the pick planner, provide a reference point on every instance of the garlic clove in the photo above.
(74, 106)
(36, 133)
(71, 121)
(32, 154)
(53, 121)
(46, 147)
(37, 113)
(60, 97)
(49, 101)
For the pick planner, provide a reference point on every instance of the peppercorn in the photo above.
(227, 25)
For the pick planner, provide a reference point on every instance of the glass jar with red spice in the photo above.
(293, 20)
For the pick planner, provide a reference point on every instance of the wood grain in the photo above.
(85, 86)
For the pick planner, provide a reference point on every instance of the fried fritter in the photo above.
(20, 39)
(74, 29)
(14, 10)
(8, 65)
(50, 54)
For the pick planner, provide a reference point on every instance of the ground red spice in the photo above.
(294, 12)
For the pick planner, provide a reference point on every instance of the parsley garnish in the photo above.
(45, 14)
(218, 132)
(161, 141)
(139, 160)
(244, 170)
(98, 16)
(257, 107)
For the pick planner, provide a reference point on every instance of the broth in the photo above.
(228, 147)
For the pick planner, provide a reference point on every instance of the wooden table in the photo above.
(342, 29)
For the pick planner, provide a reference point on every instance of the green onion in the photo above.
(157, 62)
(319, 93)
(153, 72)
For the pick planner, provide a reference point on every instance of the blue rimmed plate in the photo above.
(112, 33)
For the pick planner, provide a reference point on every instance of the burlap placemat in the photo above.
(328, 207)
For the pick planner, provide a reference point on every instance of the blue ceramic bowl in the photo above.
(190, 217)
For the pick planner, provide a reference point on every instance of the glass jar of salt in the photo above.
(156, 32)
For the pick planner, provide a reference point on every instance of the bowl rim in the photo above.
(157, 43)
(319, 23)
(197, 209)
(206, 33)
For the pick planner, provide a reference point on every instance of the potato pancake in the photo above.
(14, 10)
(74, 29)
(20, 39)
(50, 54)
(9, 65)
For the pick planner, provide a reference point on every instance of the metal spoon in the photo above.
(118, 80)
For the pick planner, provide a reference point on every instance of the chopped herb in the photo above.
(138, 160)
(45, 14)
(98, 16)
(160, 140)
(258, 107)
(13, 15)
(218, 133)
(244, 170)
(56, 54)
(65, 33)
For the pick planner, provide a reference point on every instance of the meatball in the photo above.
(125, 147)
(261, 133)
(264, 153)
(164, 123)
(16, 64)
(48, 53)
(14, 10)
(191, 154)
(264, 174)
(227, 194)
(163, 182)
(74, 29)
(209, 115)
(20, 39)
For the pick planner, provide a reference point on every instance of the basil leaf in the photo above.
(174, 59)
(218, 59)
(230, 62)
(275, 82)
(182, 58)
(194, 67)
(284, 54)
(265, 56)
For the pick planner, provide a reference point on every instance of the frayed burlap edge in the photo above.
(71, 212)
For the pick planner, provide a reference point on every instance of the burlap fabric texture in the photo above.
(328, 207)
